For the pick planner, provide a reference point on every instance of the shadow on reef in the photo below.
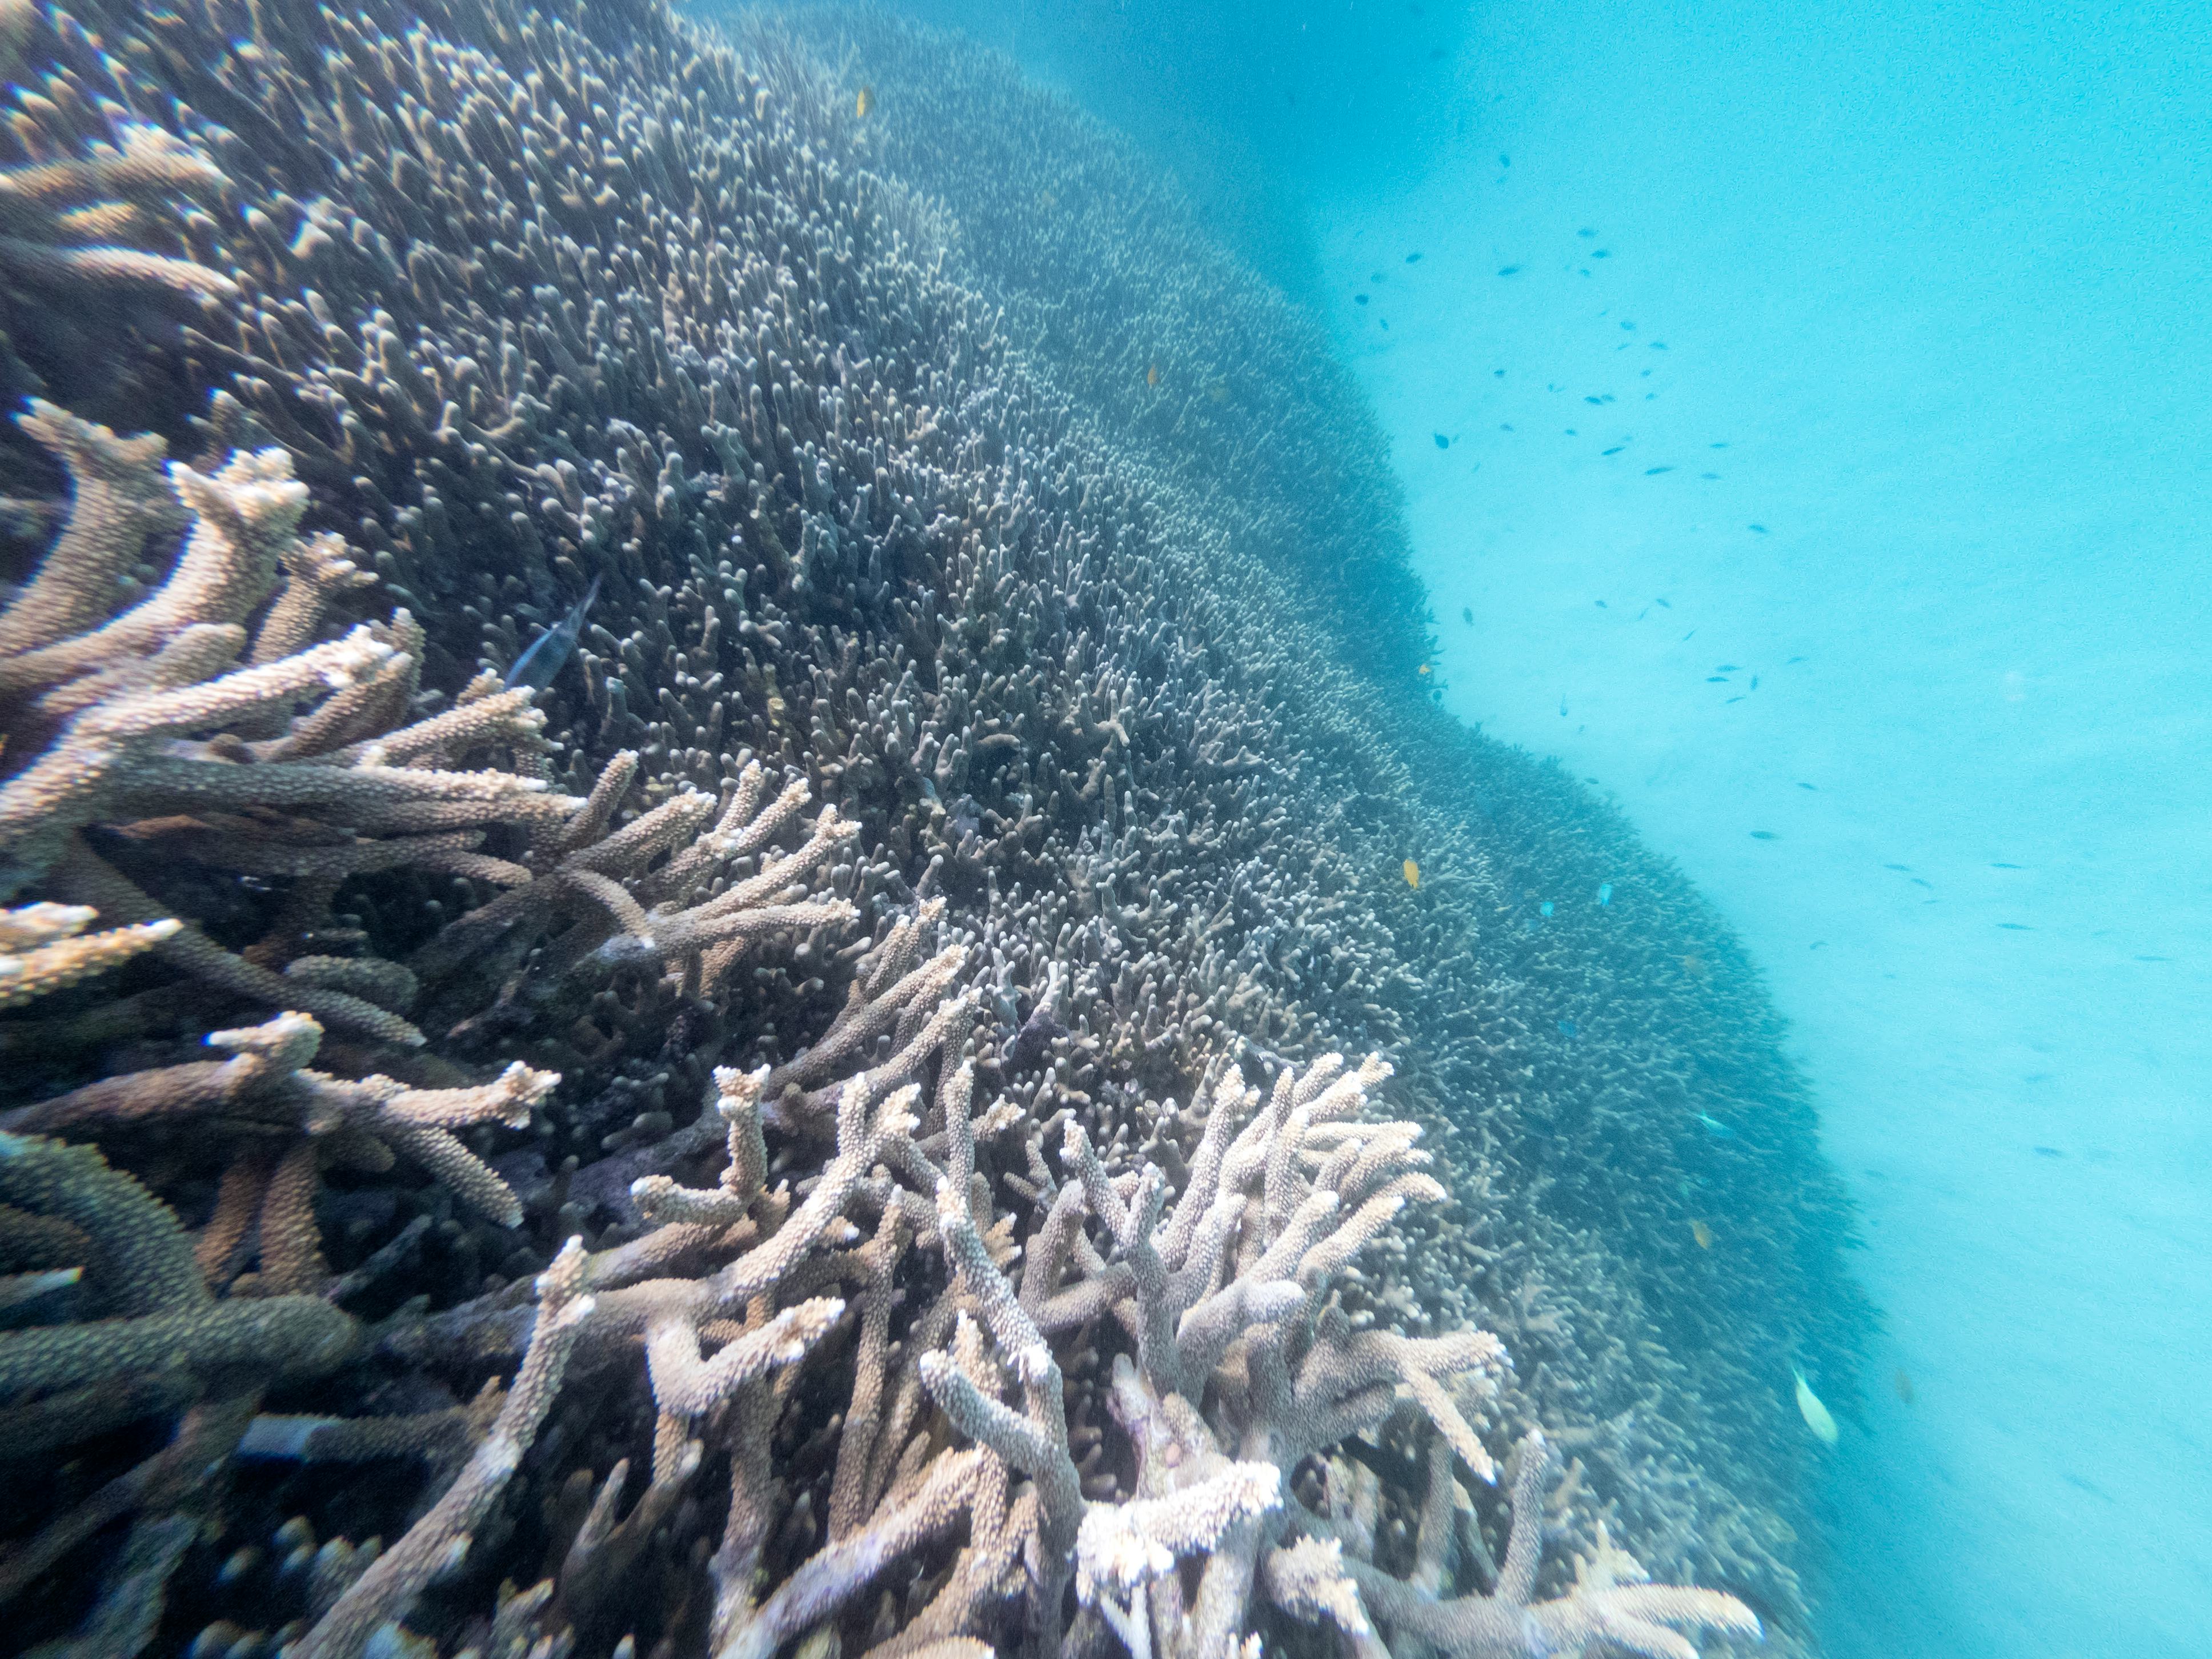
(826, 1125)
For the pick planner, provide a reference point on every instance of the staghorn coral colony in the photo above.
(901, 1104)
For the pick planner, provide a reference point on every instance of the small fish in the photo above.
(1653, 471)
(865, 103)
(2016, 927)
(1604, 893)
(2048, 1151)
(1703, 1234)
(544, 656)
(1505, 160)
(1615, 450)
(1412, 258)
(1759, 529)
(1814, 788)
(1546, 907)
(1509, 270)
(2005, 866)
(1443, 442)
(1423, 669)
(1359, 299)
(1602, 604)
(1152, 375)
(1715, 1127)
(1413, 875)
(1754, 682)
(1662, 603)
(1764, 834)
(1028, 1047)
(1467, 615)
(1815, 1413)
(1903, 1384)
(1725, 668)
(1716, 679)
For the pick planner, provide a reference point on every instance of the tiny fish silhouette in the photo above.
(1715, 1127)
(1509, 270)
(1443, 442)
(1413, 875)
(1653, 471)
(1815, 1413)
(1359, 299)
(546, 655)
(1467, 615)
(1903, 1384)
(1760, 528)
(865, 103)
(1662, 603)
(1152, 375)
(1703, 1234)
(1412, 258)
(1764, 834)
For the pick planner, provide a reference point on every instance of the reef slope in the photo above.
(977, 768)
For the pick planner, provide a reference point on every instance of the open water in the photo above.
(1801, 413)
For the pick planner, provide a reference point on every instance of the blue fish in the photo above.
(1715, 1127)
(547, 654)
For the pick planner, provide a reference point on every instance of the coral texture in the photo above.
(824, 1127)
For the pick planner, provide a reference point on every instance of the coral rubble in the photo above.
(827, 1124)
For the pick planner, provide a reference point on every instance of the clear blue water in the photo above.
(1895, 316)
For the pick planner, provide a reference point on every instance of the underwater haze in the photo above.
(1800, 414)
(989, 830)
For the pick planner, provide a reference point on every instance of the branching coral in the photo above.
(951, 728)
(158, 741)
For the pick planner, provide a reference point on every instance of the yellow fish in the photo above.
(1152, 375)
(1412, 874)
(1424, 668)
(1815, 1413)
(1703, 1234)
(865, 102)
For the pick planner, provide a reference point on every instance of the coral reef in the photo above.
(748, 1148)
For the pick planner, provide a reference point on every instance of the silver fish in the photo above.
(547, 654)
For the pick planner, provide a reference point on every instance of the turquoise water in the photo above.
(1894, 318)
